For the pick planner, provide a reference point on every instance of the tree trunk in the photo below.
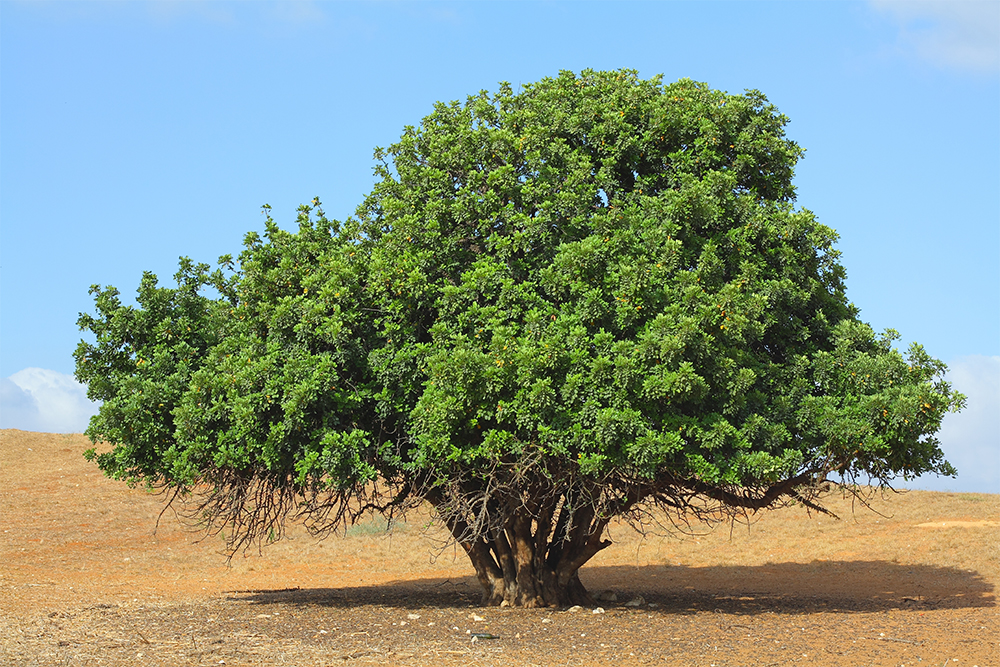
(521, 566)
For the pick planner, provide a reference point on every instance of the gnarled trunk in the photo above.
(532, 560)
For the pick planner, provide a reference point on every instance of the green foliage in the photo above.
(602, 275)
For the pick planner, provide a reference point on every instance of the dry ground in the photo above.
(85, 580)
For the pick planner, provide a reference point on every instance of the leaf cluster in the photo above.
(601, 275)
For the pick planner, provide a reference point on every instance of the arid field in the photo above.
(87, 578)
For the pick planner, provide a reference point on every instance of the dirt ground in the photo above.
(86, 578)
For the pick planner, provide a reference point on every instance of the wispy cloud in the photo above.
(971, 438)
(37, 399)
(297, 11)
(228, 13)
(954, 34)
(220, 13)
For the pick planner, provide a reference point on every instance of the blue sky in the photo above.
(133, 133)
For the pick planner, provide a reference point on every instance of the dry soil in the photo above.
(88, 578)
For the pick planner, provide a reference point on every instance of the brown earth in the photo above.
(87, 579)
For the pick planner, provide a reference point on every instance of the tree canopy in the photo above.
(557, 306)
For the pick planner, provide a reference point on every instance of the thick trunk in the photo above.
(520, 566)
(526, 586)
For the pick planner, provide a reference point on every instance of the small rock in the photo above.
(504, 604)
(607, 596)
(575, 607)
(546, 620)
(637, 601)
(413, 617)
(598, 610)
(653, 605)
(402, 622)
(476, 617)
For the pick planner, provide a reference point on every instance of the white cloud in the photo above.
(18, 409)
(949, 33)
(37, 399)
(971, 439)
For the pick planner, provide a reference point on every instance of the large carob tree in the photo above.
(575, 302)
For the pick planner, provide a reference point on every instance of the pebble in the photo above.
(637, 601)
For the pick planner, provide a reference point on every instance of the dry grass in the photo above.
(85, 581)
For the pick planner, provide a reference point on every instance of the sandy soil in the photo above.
(87, 578)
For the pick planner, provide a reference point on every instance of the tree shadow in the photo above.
(820, 586)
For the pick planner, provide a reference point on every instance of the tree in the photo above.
(577, 302)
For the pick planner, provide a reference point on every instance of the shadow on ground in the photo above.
(821, 586)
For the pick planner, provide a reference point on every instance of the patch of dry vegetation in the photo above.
(85, 581)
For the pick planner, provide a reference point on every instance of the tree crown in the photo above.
(595, 290)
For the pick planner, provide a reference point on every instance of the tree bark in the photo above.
(520, 566)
